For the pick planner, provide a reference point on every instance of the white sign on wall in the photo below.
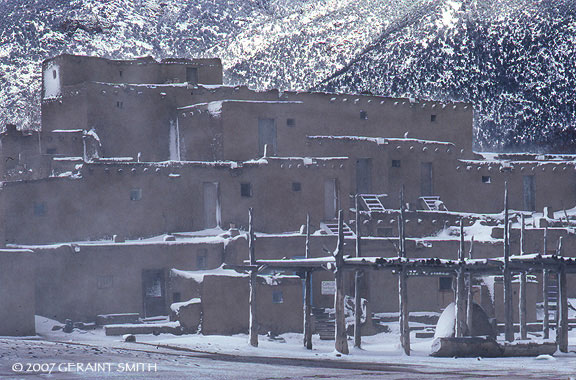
(328, 287)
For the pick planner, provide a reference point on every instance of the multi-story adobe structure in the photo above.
(142, 174)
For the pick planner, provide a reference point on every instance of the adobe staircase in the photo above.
(372, 202)
(325, 323)
(332, 228)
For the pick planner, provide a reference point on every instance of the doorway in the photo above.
(267, 136)
(154, 292)
(211, 204)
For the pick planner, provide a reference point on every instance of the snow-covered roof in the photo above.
(381, 140)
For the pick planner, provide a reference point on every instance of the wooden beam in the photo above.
(562, 326)
(522, 290)
(253, 320)
(341, 338)
(403, 282)
(308, 293)
(545, 286)
(460, 288)
(357, 281)
(508, 312)
(470, 295)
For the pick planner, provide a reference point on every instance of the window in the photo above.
(363, 115)
(445, 283)
(104, 282)
(201, 259)
(39, 208)
(246, 189)
(396, 163)
(135, 194)
(277, 296)
(51, 151)
(54, 74)
(486, 179)
(432, 118)
(120, 73)
(120, 105)
(296, 186)
(176, 297)
(290, 122)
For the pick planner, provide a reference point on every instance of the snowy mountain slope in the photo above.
(515, 61)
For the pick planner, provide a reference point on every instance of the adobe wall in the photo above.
(81, 281)
(17, 276)
(315, 114)
(554, 182)
(98, 205)
(225, 308)
(73, 69)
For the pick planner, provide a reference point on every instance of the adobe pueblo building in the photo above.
(133, 200)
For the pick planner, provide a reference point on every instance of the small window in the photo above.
(246, 189)
(120, 105)
(120, 72)
(39, 208)
(277, 296)
(363, 115)
(135, 194)
(432, 118)
(296, 186)
(176, 297)
(51, 151)
(201, 259)
(291, 122)
(486, 179)
(105, 282)
(54, 74)
(445, 283)
(396, 163)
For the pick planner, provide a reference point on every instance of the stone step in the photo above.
(116, 319)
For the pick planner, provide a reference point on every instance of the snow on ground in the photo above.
(380, 348)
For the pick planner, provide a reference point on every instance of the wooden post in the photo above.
(460, 288)
(470, 296)
(341, 343)
(522, 290)
(357, 280)
(308, 293)
(562, 310)
(545, 285)
(253, 321)
(508, 312)
(402, 283)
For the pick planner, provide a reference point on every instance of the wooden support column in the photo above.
(341, 343)
(508, 312)
(308, 293)
(357, 280)
(545, 285)
(522, 290)
(562, 327)
(460, 288)
(402, 283)
(470, 296)
(253, 321)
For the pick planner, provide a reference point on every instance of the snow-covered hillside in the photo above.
(513, 59)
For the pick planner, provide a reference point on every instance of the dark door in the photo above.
(330, 199)
(267, 136)
(528, 192)
(426, 179)
(192, 75)
(364, 176)
(211, 205)
(154, 289)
